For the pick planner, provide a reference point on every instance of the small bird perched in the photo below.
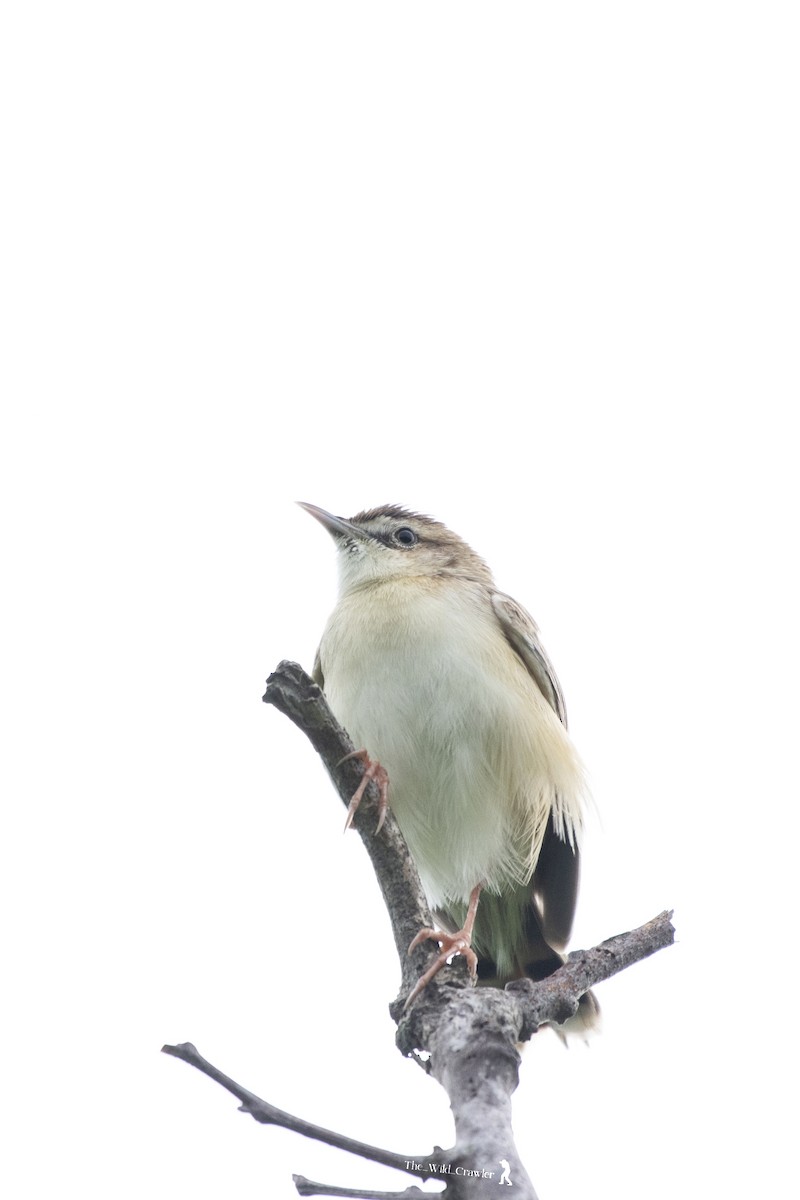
(444, 682)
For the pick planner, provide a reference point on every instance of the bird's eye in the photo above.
(406, 537)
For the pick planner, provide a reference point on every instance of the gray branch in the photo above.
(267, 1114)
(307, 1187)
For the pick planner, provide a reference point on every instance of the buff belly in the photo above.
(476, 757)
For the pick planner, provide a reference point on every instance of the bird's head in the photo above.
(392, 543)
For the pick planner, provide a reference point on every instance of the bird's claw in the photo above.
(372, 770)
(450, 944)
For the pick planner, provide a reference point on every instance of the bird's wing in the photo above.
(522, 632)
(554, 891)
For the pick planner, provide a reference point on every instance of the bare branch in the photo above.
(267, 1114)
(524, 1005)
(556, 997)
(307, 1187)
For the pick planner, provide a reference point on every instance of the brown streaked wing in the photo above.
(554, 891)
(522, 632)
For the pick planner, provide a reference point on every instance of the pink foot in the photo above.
(372, 770)
(450, 943)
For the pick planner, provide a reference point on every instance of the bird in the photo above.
(443, 681)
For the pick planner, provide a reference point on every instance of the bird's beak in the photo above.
(336, 526)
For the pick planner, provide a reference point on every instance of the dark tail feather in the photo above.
(541, 960)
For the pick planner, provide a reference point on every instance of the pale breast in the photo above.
(422, 676)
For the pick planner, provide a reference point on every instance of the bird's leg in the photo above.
(372, 770)
(450, 943)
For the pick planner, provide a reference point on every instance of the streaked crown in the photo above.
(394, 542)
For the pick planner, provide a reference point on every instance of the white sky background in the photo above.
(532, 269)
